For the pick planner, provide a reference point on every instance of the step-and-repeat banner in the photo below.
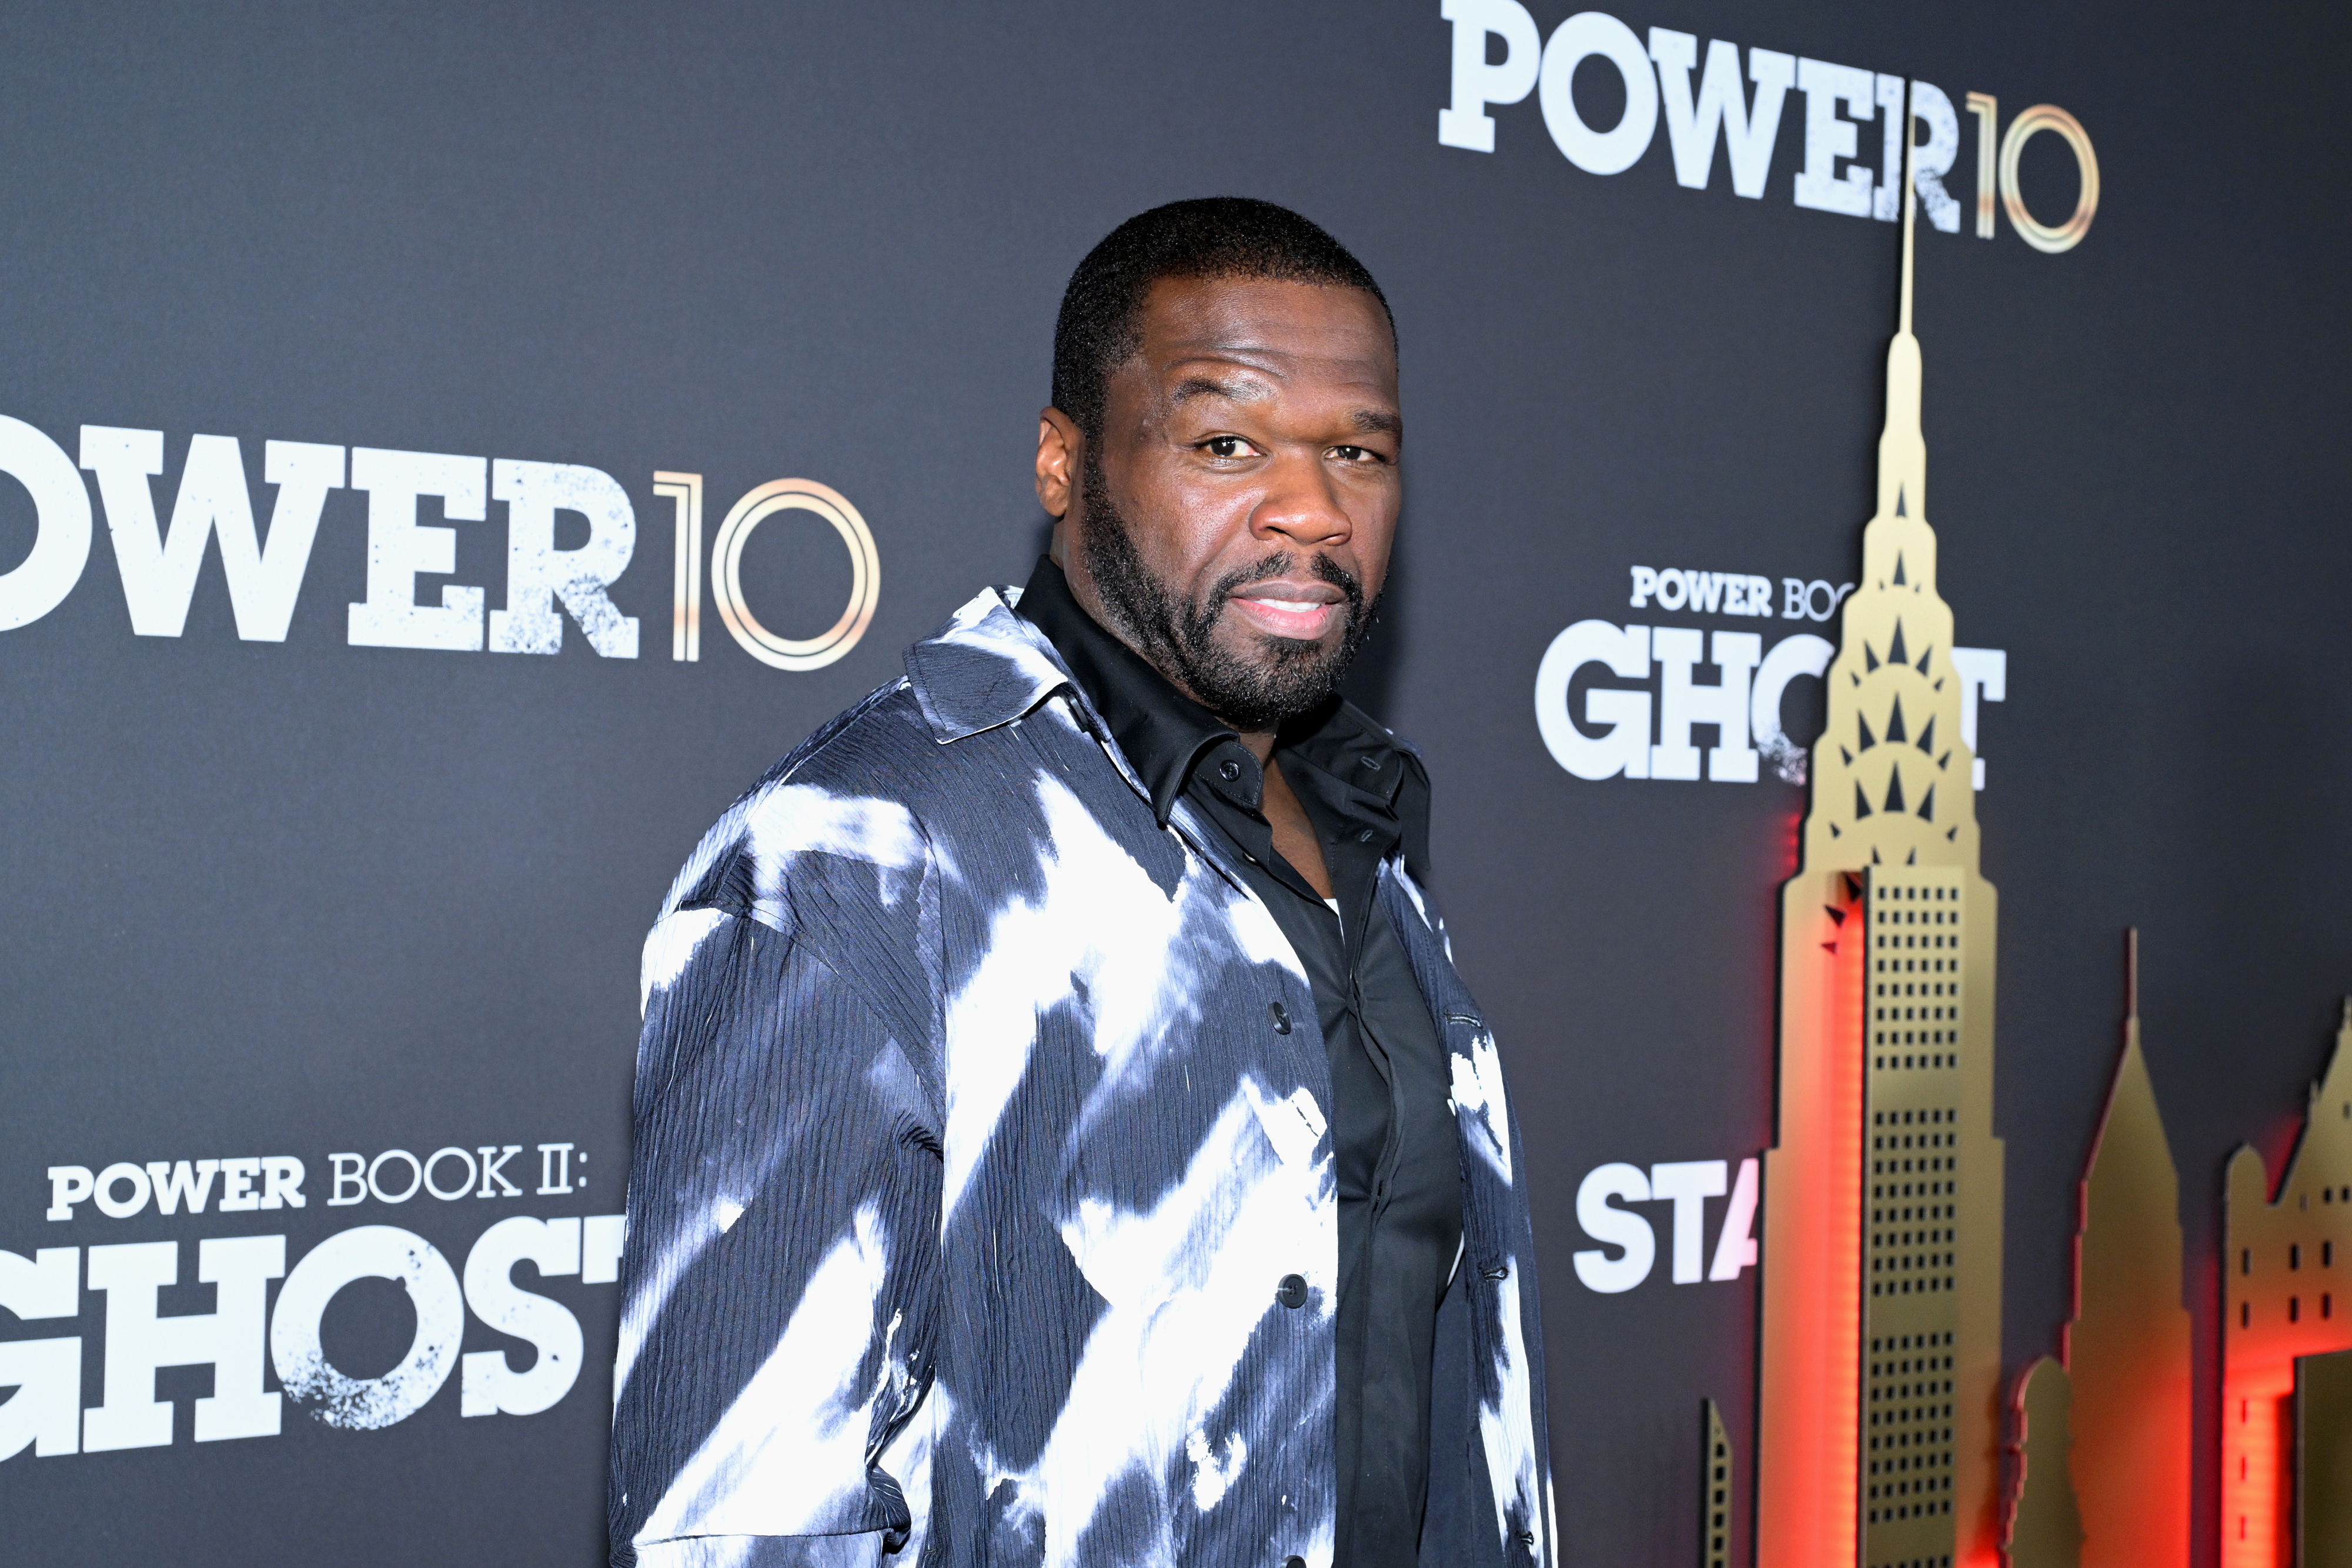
(450, 450)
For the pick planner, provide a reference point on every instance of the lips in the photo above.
(1303, 611)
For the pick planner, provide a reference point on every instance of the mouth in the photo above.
(1305, 612)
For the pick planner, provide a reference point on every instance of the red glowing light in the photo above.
(1809, 1437)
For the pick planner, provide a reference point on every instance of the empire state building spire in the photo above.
(1880, 1414)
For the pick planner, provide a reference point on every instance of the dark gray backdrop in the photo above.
(305, 897)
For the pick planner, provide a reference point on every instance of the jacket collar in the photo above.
(989, 666)
(986, 667)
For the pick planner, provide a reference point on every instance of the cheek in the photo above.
(1375, 537)
(1195, 532)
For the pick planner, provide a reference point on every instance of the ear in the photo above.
(1057, 463)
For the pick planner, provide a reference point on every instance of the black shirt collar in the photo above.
(1173, 742)
(1163, 732)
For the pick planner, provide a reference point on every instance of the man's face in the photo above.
(1233, 524)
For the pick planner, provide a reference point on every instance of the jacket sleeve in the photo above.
(779, 1281)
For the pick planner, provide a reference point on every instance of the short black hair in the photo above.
(1210, 236)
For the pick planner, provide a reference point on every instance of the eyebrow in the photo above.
(1367, 420)
(1208, 386)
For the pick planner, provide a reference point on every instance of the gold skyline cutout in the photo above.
(1881, 1406)
(2286, 1304)
(1880, 1410)
(1715, 1489)
(2106, 1440)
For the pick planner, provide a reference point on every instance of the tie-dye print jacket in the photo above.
(980, 1125)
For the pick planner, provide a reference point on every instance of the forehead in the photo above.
(1290, 332)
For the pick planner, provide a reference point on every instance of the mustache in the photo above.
(1279, 564)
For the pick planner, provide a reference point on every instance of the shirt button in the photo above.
(1281, 1016)
(1292, 1291)
(1229, 771)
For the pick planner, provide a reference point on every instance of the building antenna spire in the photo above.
(1902, 450)
(1910, 201)
(2131, 972)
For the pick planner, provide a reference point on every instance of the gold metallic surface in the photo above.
(2323, 1460)
(2045, 1530)
(686, 616)
(1714, 1491)
(1901, 1389)
(2286, 1273)
(1912, 1295)
(2129, 1347)
(865, 574)
(1987, 109)
(2041, 236)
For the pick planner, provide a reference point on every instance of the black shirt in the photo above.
(1394, 1144)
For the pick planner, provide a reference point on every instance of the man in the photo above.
(1061, 1135)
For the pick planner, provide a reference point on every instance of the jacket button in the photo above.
(1229, 771)
(1292, 1291)
(1281, 1016)
(1294, 1562)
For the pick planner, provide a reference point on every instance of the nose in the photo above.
(1301, 506)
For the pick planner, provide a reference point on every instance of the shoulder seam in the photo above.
(824, 737)
(833, 732)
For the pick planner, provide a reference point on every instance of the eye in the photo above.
(1228, 447)
(1357, 455)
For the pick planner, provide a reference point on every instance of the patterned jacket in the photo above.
(974, 1136)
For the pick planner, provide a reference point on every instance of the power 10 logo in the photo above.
(1848, 141)
(547, 586)
(269, 1307)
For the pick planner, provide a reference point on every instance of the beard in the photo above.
(1255, 691)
